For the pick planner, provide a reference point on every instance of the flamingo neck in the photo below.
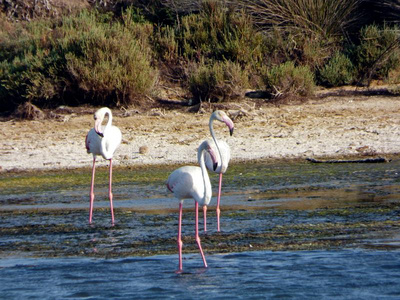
(109, 122)
(206, 179)
(105, 149)
(210, 124)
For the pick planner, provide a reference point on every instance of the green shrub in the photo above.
(220, 33)
(217, 81)
(166, 44)
(311, 50)
(378, 51)
(110, 63)
(289, 80)
(311, 17)
(394, 76)
(338, 71)
(29, 68)
(88, 58)
(305, 31)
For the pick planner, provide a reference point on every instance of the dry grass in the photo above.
(310, 17)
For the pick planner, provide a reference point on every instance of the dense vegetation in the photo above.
(120, 53)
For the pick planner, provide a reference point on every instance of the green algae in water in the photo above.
(314, 207)
(42, 181)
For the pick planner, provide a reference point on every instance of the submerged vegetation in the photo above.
(265, 207)
(122, 53)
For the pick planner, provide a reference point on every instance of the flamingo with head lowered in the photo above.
(102, 140)
(192, 182)
(224, 155)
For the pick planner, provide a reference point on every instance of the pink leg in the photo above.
(197, 235)
(218, 200)
(91, 191)
(205, 217)
(110, 195)
(180, 238)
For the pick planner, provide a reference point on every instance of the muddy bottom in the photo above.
(283, 206)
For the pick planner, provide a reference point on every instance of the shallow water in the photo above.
(289, 230)
(344, 274)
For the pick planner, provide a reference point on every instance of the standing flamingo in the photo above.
(102, 141)
(223, 159)
(192, 182)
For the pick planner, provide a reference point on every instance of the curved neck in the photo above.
(109, 122)
(104, 141)
(206, 178)
(210, 124)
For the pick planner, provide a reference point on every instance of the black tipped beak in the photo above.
(215, 166)
(231, 131)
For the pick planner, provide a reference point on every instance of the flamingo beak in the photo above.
(213, 157)
(97, 127)
(230, 124)
(215, 165)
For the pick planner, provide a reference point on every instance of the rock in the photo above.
(143, 150)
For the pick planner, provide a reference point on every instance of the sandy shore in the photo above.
(330, 127)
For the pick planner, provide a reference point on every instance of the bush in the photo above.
(217, 81)
(89, 58)
(378, 51)
(311, 17)
(109, 63)
(28, 68)
(220, 33)
(311, 50)
(338, 71)
(289, 80)
(305, 31)
(394, 76)
(166, 44)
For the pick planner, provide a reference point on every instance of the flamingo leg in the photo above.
(205, 217)
(180, 238)
(92, 191)
(218, 201)
(197, 234)
(110, 195)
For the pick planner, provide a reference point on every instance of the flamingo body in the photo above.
(102, 140)
(187, 182)
(224, 156)
(192, 182)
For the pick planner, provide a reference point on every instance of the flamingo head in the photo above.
(98, 119)
(223, 117)
(213, 157)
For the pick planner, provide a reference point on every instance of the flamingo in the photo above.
(192, 182)
(102, 140)
(222, 148)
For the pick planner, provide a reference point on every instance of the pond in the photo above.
(289, 230)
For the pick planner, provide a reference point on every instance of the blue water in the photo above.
(34, 224)
(344, 274)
